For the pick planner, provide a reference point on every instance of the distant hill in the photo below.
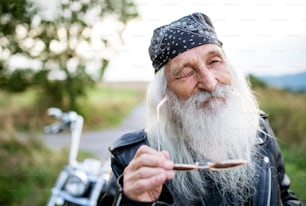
(293, 82)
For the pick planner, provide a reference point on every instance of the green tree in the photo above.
(68, 44)
(12, 13)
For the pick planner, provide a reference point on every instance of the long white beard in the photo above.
(221, 129)
(218, 131)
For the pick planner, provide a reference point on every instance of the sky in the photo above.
(266, 37)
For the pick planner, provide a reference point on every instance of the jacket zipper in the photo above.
(266, 159)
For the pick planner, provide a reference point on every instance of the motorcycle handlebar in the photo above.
(54, 128)
(65, 118)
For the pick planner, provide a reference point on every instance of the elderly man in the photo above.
(200, 111)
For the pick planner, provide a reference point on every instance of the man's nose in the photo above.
(206, 80)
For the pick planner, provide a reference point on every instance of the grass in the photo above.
(103, 107)
(106, 107)
(26, 172)
(287, 114)
(295, 167)
(29, 171)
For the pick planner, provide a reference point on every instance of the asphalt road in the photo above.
(97, 142)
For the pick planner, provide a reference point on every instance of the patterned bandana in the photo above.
(177, 37)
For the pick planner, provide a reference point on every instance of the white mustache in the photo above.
(221, 92)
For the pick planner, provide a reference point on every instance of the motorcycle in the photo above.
(79, 183)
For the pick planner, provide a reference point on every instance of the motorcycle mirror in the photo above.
(55, 112)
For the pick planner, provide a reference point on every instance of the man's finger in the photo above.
(146, 184)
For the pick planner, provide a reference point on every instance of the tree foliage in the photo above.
(12, 13)
(67, 47)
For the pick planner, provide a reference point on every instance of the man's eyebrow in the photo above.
(214, 52)
(177, 69)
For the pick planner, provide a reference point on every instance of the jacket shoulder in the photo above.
(128, 140)
(124, 149)
(263, 114)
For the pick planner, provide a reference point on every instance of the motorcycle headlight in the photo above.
(76, 183)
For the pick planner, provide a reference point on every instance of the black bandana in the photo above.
(185, 33)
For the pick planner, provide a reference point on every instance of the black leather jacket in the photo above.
(272, 183)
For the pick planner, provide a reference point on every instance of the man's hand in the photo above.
(144, 177)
